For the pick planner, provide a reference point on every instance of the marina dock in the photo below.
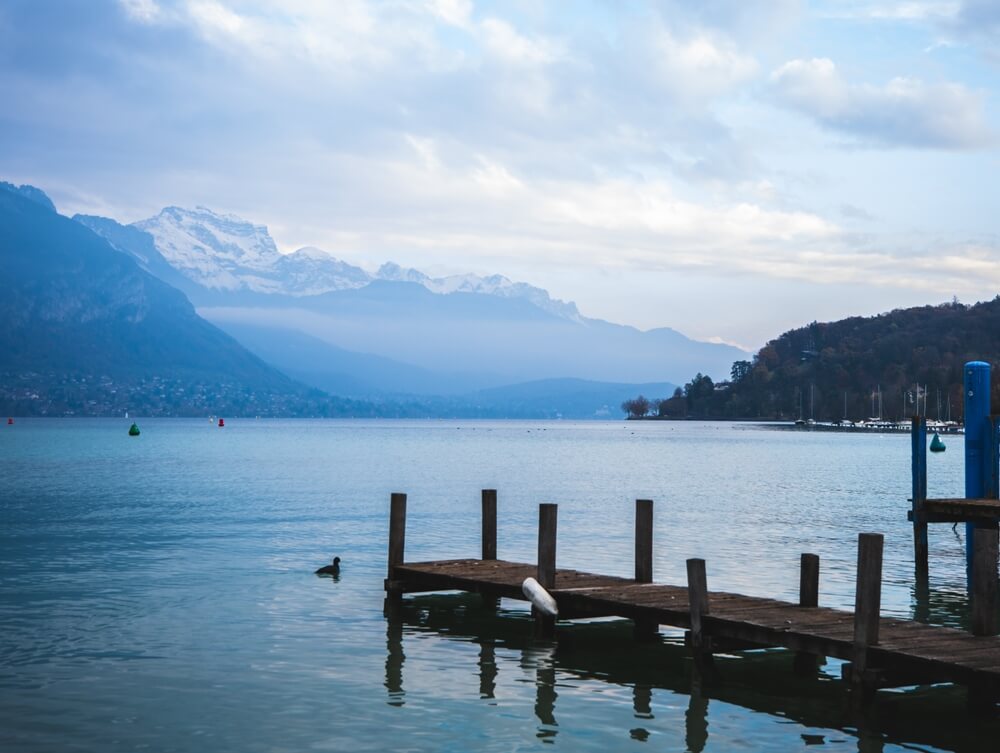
(880, 652)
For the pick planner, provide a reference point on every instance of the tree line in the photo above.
(894, 365)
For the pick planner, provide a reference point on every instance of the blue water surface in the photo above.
(157, 593)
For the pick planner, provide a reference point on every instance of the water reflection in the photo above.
(394, 656)
(939, 604)
(487, 669)
(605, 653)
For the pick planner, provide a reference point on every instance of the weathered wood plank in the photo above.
(905, 649)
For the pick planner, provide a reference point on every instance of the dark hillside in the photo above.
(833, 370)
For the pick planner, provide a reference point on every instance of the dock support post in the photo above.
(546, 576)
(984, 580)
(867, 603)
(397, 541)
(918, 442)
(645, 628)
(979, 451)
(701, 644)
(809, 580)
(804, 663)
(489, 505)
(982, 697)
(489, 524)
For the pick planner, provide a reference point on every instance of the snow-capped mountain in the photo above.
(497, 285)
(225, 252)
(228, 253)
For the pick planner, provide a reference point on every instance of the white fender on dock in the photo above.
(538, 596)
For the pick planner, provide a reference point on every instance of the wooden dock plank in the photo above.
(943, 653)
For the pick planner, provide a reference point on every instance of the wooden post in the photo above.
(806, 664)
(397, 541)
(644, 541)
(645, 628)
(809, 580)
(489, 524)
(698, 605)
(546, 575)
(867, 601)
(984, 580)
(491, 601)
(397, 530)
(918, 443)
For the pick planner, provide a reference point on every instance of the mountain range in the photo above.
(453, 335)
(104, 316)
(88, 331)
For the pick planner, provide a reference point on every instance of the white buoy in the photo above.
(538, 596)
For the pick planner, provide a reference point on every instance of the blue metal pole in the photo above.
(978, 444)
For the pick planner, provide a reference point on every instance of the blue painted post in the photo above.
(918, 437)
(979, 445)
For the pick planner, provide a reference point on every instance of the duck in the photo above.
(333, 569)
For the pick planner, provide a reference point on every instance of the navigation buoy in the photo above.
(222, 422)
(10, 422)
(937, 445)
(133, 430)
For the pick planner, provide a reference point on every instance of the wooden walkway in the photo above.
(907, 652)
(882, 652)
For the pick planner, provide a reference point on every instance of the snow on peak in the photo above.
(226, 252)
(496, 285)
(214, 250)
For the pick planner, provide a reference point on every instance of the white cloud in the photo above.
(700, 66)
(144, 11)
(903, 112)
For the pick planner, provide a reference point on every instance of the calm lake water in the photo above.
(157, 593)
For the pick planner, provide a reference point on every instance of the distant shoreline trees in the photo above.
(894, 365)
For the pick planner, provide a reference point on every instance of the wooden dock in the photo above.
(880, 651)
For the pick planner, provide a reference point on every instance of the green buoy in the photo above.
(133, 430)
(936, 444)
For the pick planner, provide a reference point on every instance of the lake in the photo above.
(157, 593)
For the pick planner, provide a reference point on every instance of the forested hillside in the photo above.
(836, 370)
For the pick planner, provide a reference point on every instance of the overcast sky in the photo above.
(729, 169)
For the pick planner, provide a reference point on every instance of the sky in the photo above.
(728, 169)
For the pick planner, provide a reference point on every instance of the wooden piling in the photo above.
(984, 580)
(397, 530)
(397, 541)
(809, 580)
(489, 524)
(867, 601)
(698, 604)
(546, 574)
(805, 663)
(646, 629)
(644, 541)
(918, 440)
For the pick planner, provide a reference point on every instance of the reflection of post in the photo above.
(545, 698)
(487, 669)
(642, 701)
(922, 598)
(696, 717)
(394, 656)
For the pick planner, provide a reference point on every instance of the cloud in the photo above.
(144, 11)
(904, 112)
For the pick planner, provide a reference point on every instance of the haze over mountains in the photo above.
(94, 302)
(87, 331)
(445, 335)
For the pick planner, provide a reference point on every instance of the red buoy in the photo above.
(10, 422)
(222, 422)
